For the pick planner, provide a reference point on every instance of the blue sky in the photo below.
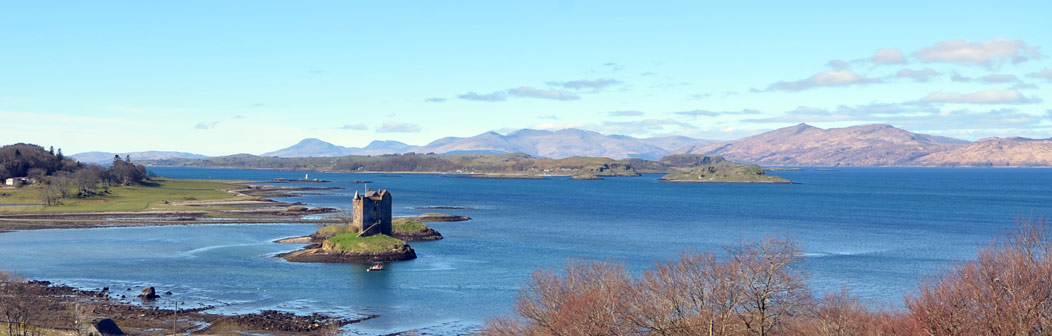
(224, 77)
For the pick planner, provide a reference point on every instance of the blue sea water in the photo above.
(880, 231)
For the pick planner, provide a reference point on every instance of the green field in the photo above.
(130, 198)
(350, 242)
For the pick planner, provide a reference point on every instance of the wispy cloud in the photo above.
(487, 97)
(923, 75)
(708, 113)
(204, 126)
(1045, 74)
(434, 100)
(697, 113)
(980, 97)
(594, 84)
(838, 64)
(956, 77)
(354, 127)
(625, 113)
(645, 126)
(398, 127)
(886, 56)
(999, 78)
(985, 53)
(832, 78)
(861, 113)
(529, 92)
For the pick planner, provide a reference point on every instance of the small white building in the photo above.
(15, 181)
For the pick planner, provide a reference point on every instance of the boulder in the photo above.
(148, 293)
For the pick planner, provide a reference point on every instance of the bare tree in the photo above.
(772, 292)
(1007, 290)
(589, 299)
(25, 304)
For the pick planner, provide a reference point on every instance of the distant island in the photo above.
(718, 170)
(474, 165)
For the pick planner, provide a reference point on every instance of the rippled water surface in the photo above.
(879, 230)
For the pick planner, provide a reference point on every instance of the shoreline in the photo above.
(138, 318)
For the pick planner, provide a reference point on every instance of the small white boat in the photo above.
(376, 267)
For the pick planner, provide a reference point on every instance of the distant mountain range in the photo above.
(107, 157)
(800, 145)
(875, 145)
(312, 147)
(550, 144)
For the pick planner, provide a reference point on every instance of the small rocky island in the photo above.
(372, 235)
(715, 169)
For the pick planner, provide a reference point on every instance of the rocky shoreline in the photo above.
(318, 253)
(57, 301)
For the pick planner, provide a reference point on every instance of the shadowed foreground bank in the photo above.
(757, 291)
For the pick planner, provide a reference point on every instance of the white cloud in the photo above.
(487, 97)
(397, 127)
(625, 113)
(986, 53)
(595, 84)
(918, 75)
(888, 56)
(529, 92)
(205, 126)
(354, 127)
(697, 113)
(832, 78)
(1045, 74)
(641, 127)
(999, 78)
(837, 64)
(981, 97)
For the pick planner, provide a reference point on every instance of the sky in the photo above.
(226, 77)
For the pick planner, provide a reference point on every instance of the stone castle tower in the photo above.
(372, 212)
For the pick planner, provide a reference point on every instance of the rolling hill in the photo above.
(805, 145)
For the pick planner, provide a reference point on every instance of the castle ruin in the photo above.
(372, 213)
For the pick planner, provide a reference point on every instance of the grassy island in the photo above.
(375, 244)
(347, 247)
(718, 170)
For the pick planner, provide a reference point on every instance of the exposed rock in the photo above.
(320, 254)
(421, 235)
(148, 293)
(437, 217)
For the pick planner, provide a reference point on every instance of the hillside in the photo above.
(996, 152)
(107, 157)
(550, 144)
(562, 144)
(312, 147)
(22, 159)
(805, 145)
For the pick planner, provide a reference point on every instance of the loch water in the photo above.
(880, 231)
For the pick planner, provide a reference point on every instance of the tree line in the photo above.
(757, 291)
(59, 177)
